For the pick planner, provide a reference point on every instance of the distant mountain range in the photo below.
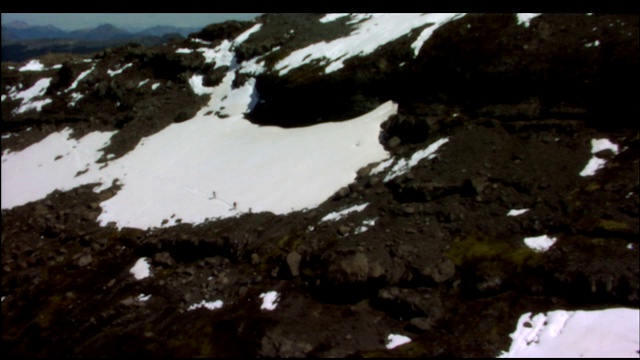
(21, 41)
(21, 31)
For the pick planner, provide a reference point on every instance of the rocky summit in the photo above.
(322, 185)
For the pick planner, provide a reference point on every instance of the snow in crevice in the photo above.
(113, 73)
(596, 163)
(80, 77)
(337, 215)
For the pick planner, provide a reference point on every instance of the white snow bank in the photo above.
(37, 89)
(342, 213)
(540, 243)
(370, 33)
(603, 333)
(269, 300)
(33, 173)
(259, 168)
(141, 269)
(175, 171)
(33, 65)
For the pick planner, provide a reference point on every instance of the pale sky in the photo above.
(127, 21)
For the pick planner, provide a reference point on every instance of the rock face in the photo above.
(433, 255)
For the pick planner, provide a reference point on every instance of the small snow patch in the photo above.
(143, 297)
(269, 300)
(74, 98)
(630, 246)
(184, 51)
(593, 44)
(516, 212)
(540, 243)
(141, 269)
(395, 340)
(211, 305)
(155, 86)
(365, 225)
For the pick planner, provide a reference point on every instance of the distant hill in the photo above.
(21, 41)
(20, 30)
(100, 33)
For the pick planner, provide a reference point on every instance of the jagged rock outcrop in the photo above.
(435, 252)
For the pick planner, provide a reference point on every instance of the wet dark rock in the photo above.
(343, 230)
(439, 271)
(293, 261)
(85, 260)
(164, 258)
(410, 303)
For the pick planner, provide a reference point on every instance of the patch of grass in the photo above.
(613, 225)
(477, 249)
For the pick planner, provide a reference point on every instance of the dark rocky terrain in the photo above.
(442, 264)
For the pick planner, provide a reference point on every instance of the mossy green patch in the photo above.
(613, 225)
(475, 250)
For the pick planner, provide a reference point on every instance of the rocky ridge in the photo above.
(433, 255)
